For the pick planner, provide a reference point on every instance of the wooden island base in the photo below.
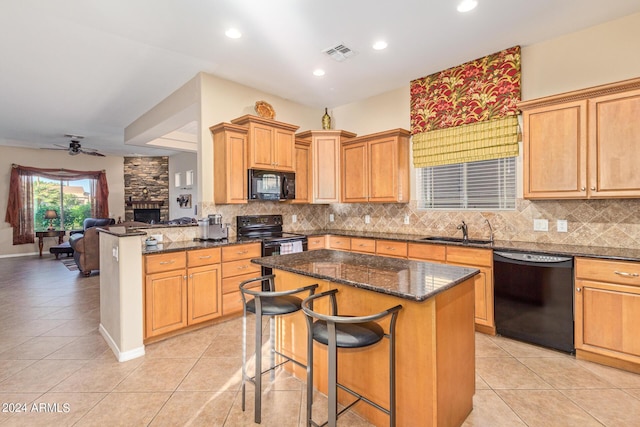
(435, 353)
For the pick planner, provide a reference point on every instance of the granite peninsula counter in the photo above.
(435, 340)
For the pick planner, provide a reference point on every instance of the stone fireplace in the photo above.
(146, 189)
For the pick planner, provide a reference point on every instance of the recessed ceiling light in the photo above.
(233, 33)
(318, 72)
(379, 45)
(467, 5)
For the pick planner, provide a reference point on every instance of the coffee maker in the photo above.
(212, 228)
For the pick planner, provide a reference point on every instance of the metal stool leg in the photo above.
(244, 355)
(333, 373)
(309, 372)
(258, 368)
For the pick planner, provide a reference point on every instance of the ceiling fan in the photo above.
(75, 147)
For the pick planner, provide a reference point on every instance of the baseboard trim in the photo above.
(121, 356)
(20, 255)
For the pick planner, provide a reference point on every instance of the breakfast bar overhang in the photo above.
(435, 344)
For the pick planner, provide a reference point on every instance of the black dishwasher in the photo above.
(533, 298)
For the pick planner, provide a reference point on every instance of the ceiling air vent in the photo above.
(339, 52)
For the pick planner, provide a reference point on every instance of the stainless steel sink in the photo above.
(456, 240)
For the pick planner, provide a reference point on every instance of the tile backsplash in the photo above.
(609, 223)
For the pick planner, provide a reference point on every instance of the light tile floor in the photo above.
(55, 369)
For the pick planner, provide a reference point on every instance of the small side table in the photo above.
(49, 233)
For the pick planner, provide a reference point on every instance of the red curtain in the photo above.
(20, 204)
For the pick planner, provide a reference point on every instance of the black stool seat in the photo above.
(349, 335)
(344, 331)
(275, 306)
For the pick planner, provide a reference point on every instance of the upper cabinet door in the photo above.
(229, 163)
(284, 149)
(614, 145)
(562, 131)
(355, 177)
(383, 164)
(270, 144)
(261, 147)
(555, 151)
(375, 168)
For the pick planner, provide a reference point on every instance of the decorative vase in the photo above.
(326, 120)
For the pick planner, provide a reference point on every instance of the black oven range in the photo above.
(268, 228)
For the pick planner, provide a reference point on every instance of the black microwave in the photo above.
(271, 185)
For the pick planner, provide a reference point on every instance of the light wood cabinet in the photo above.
(316, 242)
(204, 299)
(482, 259)
(375, 168)
(325, 148)
(303, 171)
(181, 289)
(165, 293)
(424, 252)
(607, 312)
(237, 267)
(340, 243)
(390, 248)
(366, 246)
(229, 163)
(270, 144)
(583, 144)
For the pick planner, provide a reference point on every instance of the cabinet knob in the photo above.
(593, 188)
(578, 289)
(583, 188)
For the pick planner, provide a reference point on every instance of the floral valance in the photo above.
(485, 89)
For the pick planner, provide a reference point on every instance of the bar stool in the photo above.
(265, 303)
(336, 332)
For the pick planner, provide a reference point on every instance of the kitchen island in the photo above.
(435, 346)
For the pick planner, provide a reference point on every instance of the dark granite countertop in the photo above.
(412, 280)
(193, 244)
(624, 254)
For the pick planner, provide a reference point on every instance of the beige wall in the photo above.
(55, 159)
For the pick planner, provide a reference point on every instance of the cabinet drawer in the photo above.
(627, 273)
(363, 245)
(165, 262)
(232, 284)
(236, 252)
(243, 266)
(427, 252)
(470, 256)
(340, 242)
(391, 248)
(316, 242)
(200, 257)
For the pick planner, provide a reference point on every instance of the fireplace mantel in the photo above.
(145, 204)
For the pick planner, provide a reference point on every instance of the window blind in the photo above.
(492, 139)
(488, 184)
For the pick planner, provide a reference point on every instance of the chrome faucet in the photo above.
(465, 231)
(490, 229)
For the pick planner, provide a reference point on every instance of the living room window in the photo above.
(24, 202)
(70, 199)
(483, 185)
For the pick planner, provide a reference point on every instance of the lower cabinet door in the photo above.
(607, 319)
(205, 293)
(165, 302)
